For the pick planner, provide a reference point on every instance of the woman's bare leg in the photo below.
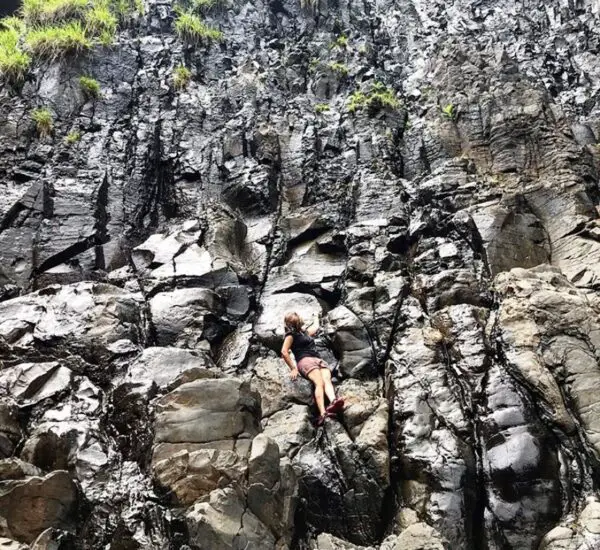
(328, 386)
(316, 378)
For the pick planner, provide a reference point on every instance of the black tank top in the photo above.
(302, 345)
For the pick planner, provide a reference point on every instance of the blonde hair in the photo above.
(293, 321)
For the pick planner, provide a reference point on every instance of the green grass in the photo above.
(449, 111)
(340, 42)
(181, 77)
(101, 21)
(192, 29)
(73, 137)
(90, 87)
(377, 98)
(339, 68)
(43, 120)
(53, 28)
(321, 108)
(13, 23)
(55, 41)
(14, 63)
(48, 11)
(124, 8)
(357, 101)
(203, 5)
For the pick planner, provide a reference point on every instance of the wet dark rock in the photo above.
(339, 490)
(10, 429)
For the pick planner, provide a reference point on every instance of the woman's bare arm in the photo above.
(285, 353)
(313, 328)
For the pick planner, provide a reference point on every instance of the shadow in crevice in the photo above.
(9, 7)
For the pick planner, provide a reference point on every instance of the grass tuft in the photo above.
(181, 77)
(339, 68)
(101, 21)
(449, 111)
(90, 87)
(73, 137)
(53, 28)
(377, 98)
(51, 11)
(14, 63)
(321, 108)
(43, 120)
(192, 29)
(55, 41)
(340, 42)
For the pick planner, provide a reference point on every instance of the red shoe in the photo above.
(336, 406)
(321, 420)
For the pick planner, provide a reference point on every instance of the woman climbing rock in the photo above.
(309, 364)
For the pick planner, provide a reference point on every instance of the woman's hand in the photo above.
(294, 373)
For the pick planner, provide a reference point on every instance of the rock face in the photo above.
(422, 175)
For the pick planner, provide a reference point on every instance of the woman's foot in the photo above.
(321, 419)
(336, 406)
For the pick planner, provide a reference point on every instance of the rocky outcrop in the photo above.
(422, 176)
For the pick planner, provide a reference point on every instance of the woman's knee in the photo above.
(315, 377)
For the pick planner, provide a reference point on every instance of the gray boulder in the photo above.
(207, 410)
(223, 523)
(179, 315)
(30, 383)
(31, 505)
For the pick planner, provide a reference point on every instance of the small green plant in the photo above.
(313, 64)
(357, 101)
(181, 77)
(384, 96)
(90, 87)
(339, 68)
(377, 98)
(340, 42)
(449, 111)
(14, 63)
(192, 29)
(321, 108)
(426, 91)
(73, 137)
(43, 120)
(362, 50)
(55, 41)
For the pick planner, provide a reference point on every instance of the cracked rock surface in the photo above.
(446, 229)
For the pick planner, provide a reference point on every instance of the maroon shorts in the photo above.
(308, 364)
